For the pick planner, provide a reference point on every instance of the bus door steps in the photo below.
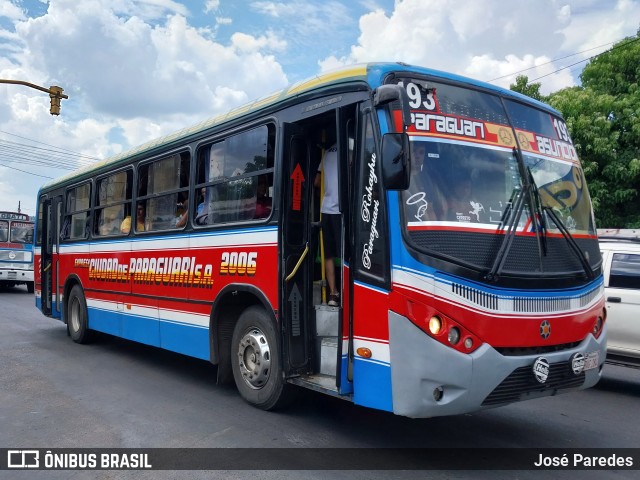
(320, 383)
(326, 337)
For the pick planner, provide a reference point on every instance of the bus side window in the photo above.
(78, 215)
(112, 202)
(166, 183)
(228, 178)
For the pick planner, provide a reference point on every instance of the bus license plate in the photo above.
(591, 361)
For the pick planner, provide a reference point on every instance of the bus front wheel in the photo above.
(77, 317)
(256, 362)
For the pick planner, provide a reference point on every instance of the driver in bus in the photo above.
(425, 197)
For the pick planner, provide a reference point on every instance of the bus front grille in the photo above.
(522, 383)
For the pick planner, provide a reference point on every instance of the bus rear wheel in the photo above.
(256, 362)
(77, 316)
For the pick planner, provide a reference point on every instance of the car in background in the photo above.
(621, 262)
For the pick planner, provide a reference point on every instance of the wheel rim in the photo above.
(254, 358)
(74, 314)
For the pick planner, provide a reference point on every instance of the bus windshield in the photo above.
(4, 231)
(465, 173)
(21, 232)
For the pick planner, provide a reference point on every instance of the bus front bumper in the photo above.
(15, 275)
(429, 379)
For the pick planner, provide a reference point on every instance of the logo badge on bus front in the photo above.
(541, 369)
(577, 363)
(545, 329)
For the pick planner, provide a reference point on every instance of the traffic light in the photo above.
(55, 93)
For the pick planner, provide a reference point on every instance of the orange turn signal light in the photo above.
(364, 352)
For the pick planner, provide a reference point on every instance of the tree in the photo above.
(603, 116)
(531, 90)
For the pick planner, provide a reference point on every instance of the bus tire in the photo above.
(77, 316)
(256, 362)
(30, 287)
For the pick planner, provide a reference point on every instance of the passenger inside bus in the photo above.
(183, 212)
(201, 206)
(263, 201)
(331, 219)
(125, 226)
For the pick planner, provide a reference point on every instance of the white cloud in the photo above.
(601, 24)
(133, 71)
(307, 18)
(129, 68)
(11, 11)
(248, 43)
(486, 39)
(211, 6)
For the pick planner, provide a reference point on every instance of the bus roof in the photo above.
(372, 74)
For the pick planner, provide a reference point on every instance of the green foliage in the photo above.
(532, 90)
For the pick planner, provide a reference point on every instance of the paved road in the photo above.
(114, 393)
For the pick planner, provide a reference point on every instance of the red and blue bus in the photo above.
(469, 270)
(16, 250)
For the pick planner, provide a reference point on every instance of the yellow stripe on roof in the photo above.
(356, 71)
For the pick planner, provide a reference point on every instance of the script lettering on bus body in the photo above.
(367, 215)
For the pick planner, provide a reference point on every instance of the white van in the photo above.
(621, 256)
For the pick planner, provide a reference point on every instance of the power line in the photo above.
(550, 61)
(24, 171)
(52, 146)
(42, 155)
(567, 56)
(586, 59)
(51, 157)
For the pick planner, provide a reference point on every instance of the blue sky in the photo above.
(138, 69)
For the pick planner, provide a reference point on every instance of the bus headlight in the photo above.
(435, 325)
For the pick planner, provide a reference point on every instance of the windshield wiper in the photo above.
(537, 217)
(515, 211)
(572, 242)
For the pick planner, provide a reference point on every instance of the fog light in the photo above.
(435, 325)
(597, 326)
(468, 342)
(438, 392)
(454, 335)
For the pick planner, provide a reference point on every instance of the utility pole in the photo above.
(55, 93)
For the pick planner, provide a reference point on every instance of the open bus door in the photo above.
(50, 241)
(313, 331)
(297, 267)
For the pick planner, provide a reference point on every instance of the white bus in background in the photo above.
(16, 250)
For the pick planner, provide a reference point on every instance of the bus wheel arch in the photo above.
(225, 312)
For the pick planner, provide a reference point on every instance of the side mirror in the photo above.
(396, 161)
(385, 94)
